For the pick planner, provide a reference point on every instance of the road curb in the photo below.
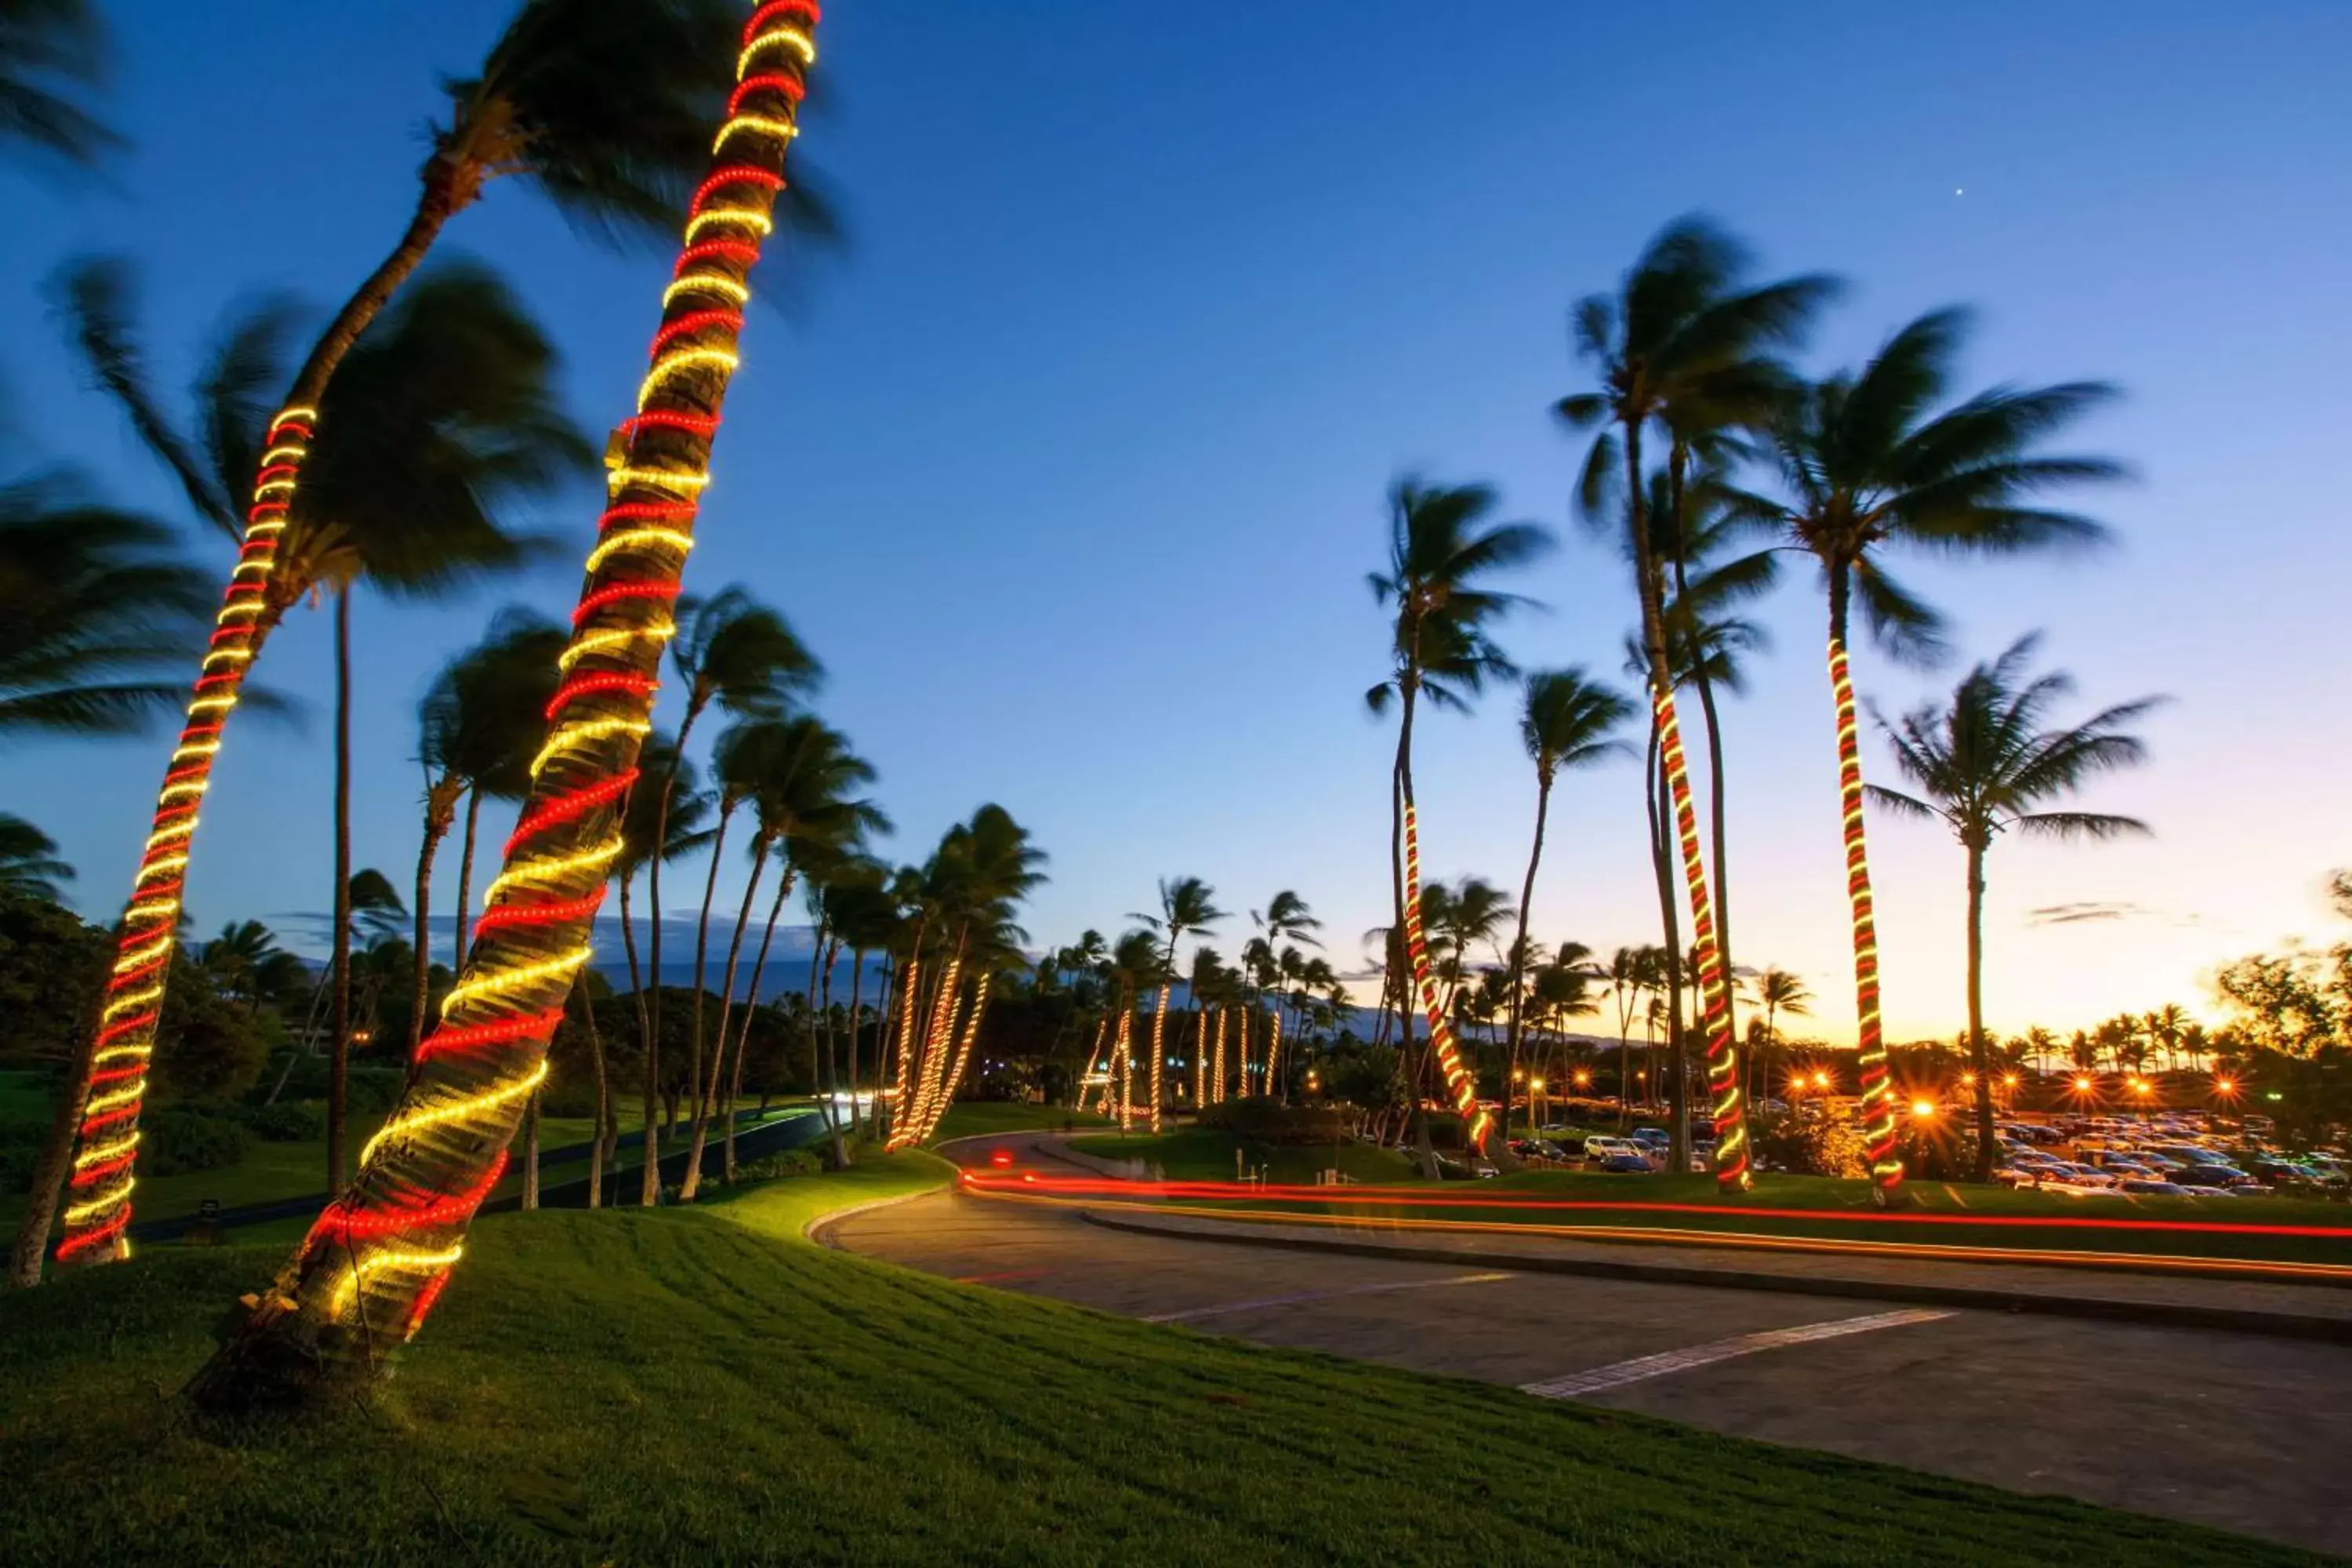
(2161, 1314)
(820, 1229)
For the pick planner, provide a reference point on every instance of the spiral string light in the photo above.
(1730, 1110)
(1217, 1062)
(1459, 1086)
(936, 1035)
(900, 1107)
(1273, 1046)
(1241, 1052)
(1126, 1060)
(375, 1263)
(1158, 1056)
(971, 1038)
(98, 1213)
(1877, 1090)
(1199, 1055)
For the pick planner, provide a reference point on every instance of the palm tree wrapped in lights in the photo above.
(1440, 554)
(366, 1277)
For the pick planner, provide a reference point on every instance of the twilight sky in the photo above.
(1072, 470)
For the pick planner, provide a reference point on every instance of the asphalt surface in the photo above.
(2238, 1431)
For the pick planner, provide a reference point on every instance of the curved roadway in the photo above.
(2239, 1431)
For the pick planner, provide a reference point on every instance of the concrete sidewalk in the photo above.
(2295, 1312)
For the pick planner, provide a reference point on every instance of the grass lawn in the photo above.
(977, 1118)
(698, 1386)
(2269, 1218)
(1206, 1154)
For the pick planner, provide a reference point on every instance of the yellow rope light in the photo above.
(679, 480)
(376, 1262)
(712, 282)
(522, 978)
(456, 1110)
(575, 734)
(599, 642)
(637, 538)
(758, 222)
(120, 1097)
(783, 130)
(137, 957)
(106, 1200)
(671, 363)
(604, 854)
(130, 1002)
(792, 38)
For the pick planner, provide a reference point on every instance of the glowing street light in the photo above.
(2082, 1085)
(1924, 1110)
(2225, 1086)
(1821, 1080)
(1584, 1078)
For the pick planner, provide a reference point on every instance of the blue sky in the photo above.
(1073, 469)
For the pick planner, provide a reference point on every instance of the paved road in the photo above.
(2243, 1432)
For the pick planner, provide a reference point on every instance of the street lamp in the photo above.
(1924, 1110)
(1821, 1080)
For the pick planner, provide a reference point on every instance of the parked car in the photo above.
(2212, 1175)
(2141, 1188)
(1626, 1165)
(1453, 1169)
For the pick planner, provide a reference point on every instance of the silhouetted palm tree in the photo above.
(1986, 765)
(1682, 346)
(1442, 555)
(29, 866)
(734, 651)
(475, 737)
(94, 599)
(1186, 904)
(1780, 992)
(1566, 720)
(50, 51)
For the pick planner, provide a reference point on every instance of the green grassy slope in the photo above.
(698, 1387)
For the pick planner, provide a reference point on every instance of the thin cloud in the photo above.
(2080, 913)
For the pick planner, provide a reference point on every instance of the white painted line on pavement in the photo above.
(1618, 1373)
(1305, 1296)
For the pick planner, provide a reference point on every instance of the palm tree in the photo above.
(1987, 765)
(475, 740)
(1682, 346)
(1868, 463)
(1185, 905)
(2164, 1025)
(1442, 553)
(94, 601)
(734, 651)
(1566, 720)
(682, 835)
(604, 108)
(1780, 992)
(374, 1258)
(29, 866)
(447, 410)
(798, 775)
(48, 49)
(1136, 962)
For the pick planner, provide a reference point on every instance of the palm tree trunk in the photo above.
(366, 1276)
(702, 1090)
(649, 1062)
(967, 1045)
(1160, 1050)
(530, 1154)
(1519, 951)
(653, 870)
(1460, 1086)
(857, 988)
(339, 1061)
(831, 947)
(1714, 984)
(108, 1078)
(598, 1147)
(466, 880)
(1980, 1058)
(750, 1011)
(1125, 1063)
(440, 815)
(1878, 1090)
(902, 1078)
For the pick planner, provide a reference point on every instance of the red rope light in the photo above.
(344, 1223)
(571, 691)
(695, 321)
(565, 810)
(597, 601)
(742, 174)
(501, 915)
(730, 249)
(1877, 1088)
(751, 84)
(1729, 1106)
(806, 10)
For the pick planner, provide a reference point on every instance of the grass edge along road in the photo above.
(2308, 1238)
(685, 1385)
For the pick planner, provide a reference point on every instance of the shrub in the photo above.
(1812, 1143)
(1263, 1118)
(20, 1151)
(182, 1137)
(791, 1163)
(289, 1122)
